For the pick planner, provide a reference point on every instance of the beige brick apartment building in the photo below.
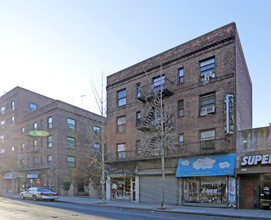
(43, 141)
(206, 87)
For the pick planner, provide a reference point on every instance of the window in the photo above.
(138, 147)
(71, 142)
(97, 131)
(181, 78)
(71, 161)
(207, 69)
(180, 138)
(12, 148)
(50, 141)
(138, 90)
(35, 144)
(96, 146)
(2, 139)
(35, 160)
(158, 83)
(22, 148)
(121, 124)
(32, 107)
(207, 104)
(207, 139)
(71, 124)
(3, 124)
(23, 129)
(180, 108)
(50, 122)
(121, 151)
(138, 118)
(3, 110)
(49, 158)
(122, 97)
(12, 105)
(12, 120)
(35, 126)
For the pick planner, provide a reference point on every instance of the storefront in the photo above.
(254, 180)
(208, 180)
(121, 183)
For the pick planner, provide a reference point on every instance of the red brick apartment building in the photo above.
(207, 90)
(42, 140)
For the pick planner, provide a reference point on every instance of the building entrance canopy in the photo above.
(213, 165)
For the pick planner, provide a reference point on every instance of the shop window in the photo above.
(121, 188)
(121, 97)
(207, 104)
(205, 190)
(207, 139)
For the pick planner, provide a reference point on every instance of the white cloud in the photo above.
(206, 163)
(225, 164)
(185, 163)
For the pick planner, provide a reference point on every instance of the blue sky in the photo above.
(56, 47)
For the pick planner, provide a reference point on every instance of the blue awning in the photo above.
(213, 165)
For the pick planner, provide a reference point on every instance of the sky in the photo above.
(58, 48)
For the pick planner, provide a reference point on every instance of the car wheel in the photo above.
(22, 197)
(35, 198)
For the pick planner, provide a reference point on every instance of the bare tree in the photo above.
(161, 137)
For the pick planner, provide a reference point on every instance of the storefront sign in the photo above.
(256, 159)
(212, 165)
(121, 170)
(32, 176)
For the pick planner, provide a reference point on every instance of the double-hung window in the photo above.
(122, 97)
(207, 69)
(71, 161)
(158, 83)
(97, 131)
(121, 124)
(180, 108)
(71, 124)
(181, 77)
(50, 141)
(71, 142)
(12, 105)
(207, 139)
(207, 104)
(35, 126)
(138, 118)
(3, 110)
(121, 151)
(50, 122)
(138, 90)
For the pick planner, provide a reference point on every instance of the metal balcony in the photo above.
(149, 92)
(221, 145)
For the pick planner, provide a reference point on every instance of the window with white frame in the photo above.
(207, 139)
(12, 105)
(71, 124)
(207, 69)
(71, 161)
(50, 122)
(71, 142)
(207, 104)
(50, 141)
(35, 126)
(121, 151)
(121, 124)
(49, 158)
(121, 97)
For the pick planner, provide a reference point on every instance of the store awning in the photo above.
(213, 165)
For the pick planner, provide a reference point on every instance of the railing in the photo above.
(178, 150)
(149, 91)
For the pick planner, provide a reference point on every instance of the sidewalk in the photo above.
(222, 212)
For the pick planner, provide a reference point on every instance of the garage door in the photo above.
(150, 189)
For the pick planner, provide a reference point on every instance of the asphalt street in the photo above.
(13, 209)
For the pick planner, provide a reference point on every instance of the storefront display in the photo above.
(208, 180)
(121, 188)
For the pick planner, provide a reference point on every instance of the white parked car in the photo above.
(37, 193)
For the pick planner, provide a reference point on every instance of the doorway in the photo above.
(247, 195)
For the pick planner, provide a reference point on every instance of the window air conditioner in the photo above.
(210, 109)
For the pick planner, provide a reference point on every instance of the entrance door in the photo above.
(247, 195)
